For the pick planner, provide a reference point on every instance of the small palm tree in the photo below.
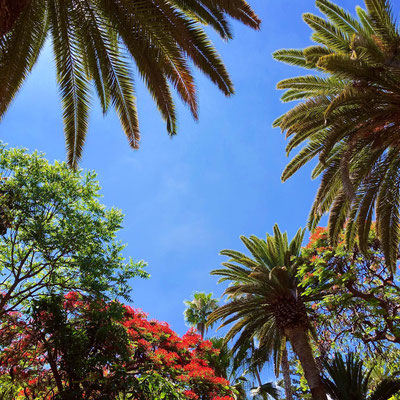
(253, 359)
(238, 368)
(92, 43)
(347, 379)
(348, 118)
(266, 302)
(198, 310)
(224, 366)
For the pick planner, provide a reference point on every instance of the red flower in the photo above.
(190, 394)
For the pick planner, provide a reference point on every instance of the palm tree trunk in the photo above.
(301, 346)
(10, 10)
(287, 382)
(201, 328)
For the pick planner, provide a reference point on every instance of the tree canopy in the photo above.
(56, 235)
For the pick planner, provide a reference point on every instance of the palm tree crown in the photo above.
(255, 282)
(349, 118)
(266, 302)
(347, 379)
(92, 42)
(198, 310)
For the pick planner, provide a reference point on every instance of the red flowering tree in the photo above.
(78, 347)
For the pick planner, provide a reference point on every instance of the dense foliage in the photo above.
(77, 347)
(358, 294)
(347, 379)
(56, 235)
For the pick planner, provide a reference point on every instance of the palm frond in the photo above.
(93, 41)
(342, 19)
(347, 119)
(20, 49)
(74, 85)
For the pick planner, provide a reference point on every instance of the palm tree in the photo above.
(92, 40)
(349, 119)
(348, 380)
(253, 359)
(198, 310)
(266, 302)
(224, 366)
(237, 367)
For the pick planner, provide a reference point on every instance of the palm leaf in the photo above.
(74, 86)
(20, 49)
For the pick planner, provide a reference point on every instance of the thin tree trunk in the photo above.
(287, 382)
(10, 10)
(258, 376)
(201, 328)
(256, 372)
(54, 370)
(52, 363)
(301, 346)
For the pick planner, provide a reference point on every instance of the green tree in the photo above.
(57, 236)
(347, 118)
(198, 310)
(347, 379)
(92, 40)
(266, 301)
(78, 348)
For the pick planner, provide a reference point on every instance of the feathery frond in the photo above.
(348, 119)
(93, 41)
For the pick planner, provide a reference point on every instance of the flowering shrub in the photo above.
(77, 347)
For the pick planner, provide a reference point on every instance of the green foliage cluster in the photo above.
(348, 380)
(58, 236)
(359, 295)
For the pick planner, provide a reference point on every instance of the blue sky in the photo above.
(188, 197)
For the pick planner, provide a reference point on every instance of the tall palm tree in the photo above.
(92, 43)
(198, 310)
(347, 379)
(265, 301)
(348, 117)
